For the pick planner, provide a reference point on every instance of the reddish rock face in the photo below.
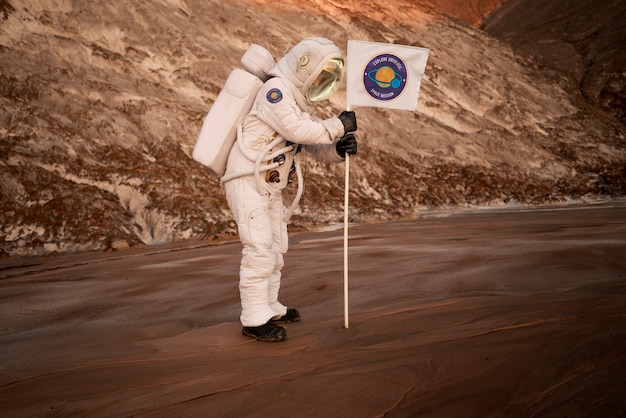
(101, 104)
(583, 40)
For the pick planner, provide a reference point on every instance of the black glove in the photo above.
(346, 145)
(348, 118)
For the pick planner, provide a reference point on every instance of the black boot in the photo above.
(292, 315)
(268, 332)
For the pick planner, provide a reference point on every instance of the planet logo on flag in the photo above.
(385, 77)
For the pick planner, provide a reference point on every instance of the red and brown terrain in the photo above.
(102, 104)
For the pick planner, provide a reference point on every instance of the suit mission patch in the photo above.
(274, 95)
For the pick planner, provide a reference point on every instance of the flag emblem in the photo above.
(385, 77)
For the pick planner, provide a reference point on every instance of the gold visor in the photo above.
(327, 83)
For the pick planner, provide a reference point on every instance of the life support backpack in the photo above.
(219, 129)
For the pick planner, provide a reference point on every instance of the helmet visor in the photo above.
(327, 83)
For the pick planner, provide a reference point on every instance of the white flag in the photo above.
(384, 75)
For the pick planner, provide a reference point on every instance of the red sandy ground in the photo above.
(483, 314)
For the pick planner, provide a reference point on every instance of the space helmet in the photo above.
(315, 67)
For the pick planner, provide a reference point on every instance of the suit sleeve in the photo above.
(278, 109)
(325, 152)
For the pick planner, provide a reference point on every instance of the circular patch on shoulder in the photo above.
(274, 95)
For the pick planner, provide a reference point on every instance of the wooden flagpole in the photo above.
(346, 323)
(345, 244)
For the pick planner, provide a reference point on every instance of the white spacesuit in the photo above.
(277, 128)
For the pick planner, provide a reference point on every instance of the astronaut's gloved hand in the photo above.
(348, 118)
(346, 145)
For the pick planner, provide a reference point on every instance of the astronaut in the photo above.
(278, 127)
